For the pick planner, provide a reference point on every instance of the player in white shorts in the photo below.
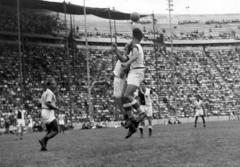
(199, 110)
(144, 95)
(61, 122)
(135, 77)
(30, 124)
(120, 75)
(21, 115)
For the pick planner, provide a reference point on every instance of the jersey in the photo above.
(198, 104)
(61, 118)
(144, 97)
(48, 114)
(140, 60)
(20, 114)
(119, 69)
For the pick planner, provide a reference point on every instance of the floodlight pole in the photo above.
(19, 52)
(87, 58)
(172, 58)
(110, 26)
(68, 64)
(115, 29)
(156, 57)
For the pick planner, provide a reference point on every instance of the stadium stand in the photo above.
(213, 74)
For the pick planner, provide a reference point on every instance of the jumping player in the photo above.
(120, 75)
(135, 77)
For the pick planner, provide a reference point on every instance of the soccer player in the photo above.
(135, 77)
(199, 110)
(144, 96)
(21, 115)
(120, 75)
(61, 121)
(30, 124)
(48, 103)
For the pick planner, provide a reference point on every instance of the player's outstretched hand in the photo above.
(125, 64)
(114, 47)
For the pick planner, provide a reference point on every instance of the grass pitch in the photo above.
(170, 146)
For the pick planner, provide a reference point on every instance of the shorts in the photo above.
(61, 122)
(135, 77)
(20, 122)
(118, 86)
(147, 109)
(199, 112)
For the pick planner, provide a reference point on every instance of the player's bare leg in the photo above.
(21, 137)
(17, 131)
(129, 101)
(141, 128)
(150, 128)
(204, 123)
(196, 118)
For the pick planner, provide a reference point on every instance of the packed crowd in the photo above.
(212, 74)
(222, 21)
(188, 22)
(30, 21)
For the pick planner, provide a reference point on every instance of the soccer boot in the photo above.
(150, 132)
(131, 131)
(42, 143)
(129, 122)
(141, 132)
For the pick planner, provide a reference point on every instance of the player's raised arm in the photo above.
(133, 58)
(119, 56)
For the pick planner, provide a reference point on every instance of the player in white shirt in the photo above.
(135, 77)
(30, 124)
(199, 110)
(120, 75)
(48, 103)
(61, 122)
(21, 116)
(144, 95)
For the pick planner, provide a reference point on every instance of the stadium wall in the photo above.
(32, 43)
(200, 48)
(162, 121)
(107, 47)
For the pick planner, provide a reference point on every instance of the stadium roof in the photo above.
(70, 8)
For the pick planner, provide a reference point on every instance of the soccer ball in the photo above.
(135, 17)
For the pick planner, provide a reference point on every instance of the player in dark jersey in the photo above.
(144, 95)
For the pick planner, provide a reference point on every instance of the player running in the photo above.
(48, 103)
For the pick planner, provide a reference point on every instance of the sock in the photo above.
(150, 129)
(141, 129)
